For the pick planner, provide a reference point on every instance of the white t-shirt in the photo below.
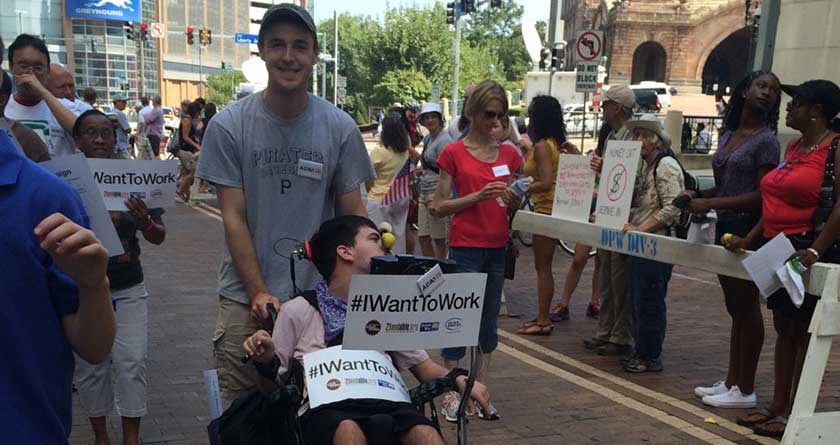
(76, 106)
(41, 120)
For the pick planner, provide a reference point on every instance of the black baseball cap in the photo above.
(287, 12)
(813, 92)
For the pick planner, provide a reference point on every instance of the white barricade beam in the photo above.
(667, 249)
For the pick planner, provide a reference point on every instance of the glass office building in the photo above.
(99, 54)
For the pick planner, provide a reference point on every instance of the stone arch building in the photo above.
(690, 44)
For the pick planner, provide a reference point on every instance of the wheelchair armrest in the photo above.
(427, 391)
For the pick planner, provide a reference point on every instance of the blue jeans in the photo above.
(491, 262)
(647, 286)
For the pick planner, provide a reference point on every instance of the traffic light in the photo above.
(469, 6)
(545, 53)
(144, 31)
(205, 36)
(190, 35)
(452, 12)
(558, 56)
(130, 32)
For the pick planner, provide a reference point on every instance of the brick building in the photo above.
(690, 44)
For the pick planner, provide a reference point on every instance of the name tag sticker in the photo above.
(431, 280)
(501, 170)
(309, 169)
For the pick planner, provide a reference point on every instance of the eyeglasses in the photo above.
(492, 115)
(104, 133)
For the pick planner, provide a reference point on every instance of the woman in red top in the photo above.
(790, 196)
(480, 169)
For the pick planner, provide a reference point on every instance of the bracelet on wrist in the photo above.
(814, 252)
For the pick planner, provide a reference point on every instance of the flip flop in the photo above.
(535, 329)
(750, 423)
(761, 431)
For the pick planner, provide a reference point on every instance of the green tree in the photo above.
(499, 30)
(399, 85)
(221, 86)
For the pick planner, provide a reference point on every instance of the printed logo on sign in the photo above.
(453, 324)
(385, 384)
(122, 4)
(373, 327)
(430, 326)
(157, 193)
(333, 384)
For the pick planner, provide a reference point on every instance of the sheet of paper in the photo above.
(152, 181)
(573, 188)
(763, 264)
(75, 172)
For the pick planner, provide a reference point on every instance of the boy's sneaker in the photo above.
(718, 388)
(733, 398)
(451, 400)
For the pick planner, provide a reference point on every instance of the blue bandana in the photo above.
(333, 311)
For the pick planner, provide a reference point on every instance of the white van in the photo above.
(662, 90)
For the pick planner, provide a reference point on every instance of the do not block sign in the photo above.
(586, 79)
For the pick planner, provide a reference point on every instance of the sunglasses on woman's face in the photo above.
(492, 115)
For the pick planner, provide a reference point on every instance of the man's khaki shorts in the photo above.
(233, 326)
(428, 225)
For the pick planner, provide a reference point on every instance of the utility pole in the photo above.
(335, 57)
(552, 23)
(768, 21)
(456, 53)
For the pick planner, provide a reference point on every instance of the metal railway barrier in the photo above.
(804, 425)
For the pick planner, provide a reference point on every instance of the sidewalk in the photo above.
(547, 389)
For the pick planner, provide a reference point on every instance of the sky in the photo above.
(534, 9)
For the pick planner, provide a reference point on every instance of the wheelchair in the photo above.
(257, 418)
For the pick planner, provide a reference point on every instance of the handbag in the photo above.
(827, 200)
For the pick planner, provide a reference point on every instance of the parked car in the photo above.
(662, 91)
(574, 118)
(170, 119)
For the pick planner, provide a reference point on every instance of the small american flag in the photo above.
(401, 187)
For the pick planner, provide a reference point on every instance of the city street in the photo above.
(547, 389)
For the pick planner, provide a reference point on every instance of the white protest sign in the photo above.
(335, 374)
(618, 176)
(152, 181)
(573, 188)
(388, 313)
(75, 172)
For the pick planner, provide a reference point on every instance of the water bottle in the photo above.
(519, 187)
(797, 266)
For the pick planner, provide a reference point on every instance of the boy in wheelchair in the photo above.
(341, 248)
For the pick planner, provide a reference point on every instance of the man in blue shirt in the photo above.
(54, 295)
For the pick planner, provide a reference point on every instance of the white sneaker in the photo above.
(734, 398)
(718, 388)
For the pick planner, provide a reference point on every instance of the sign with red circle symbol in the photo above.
(589, 45)
(617, 182)
(157, 30)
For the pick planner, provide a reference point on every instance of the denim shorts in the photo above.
(492, 262)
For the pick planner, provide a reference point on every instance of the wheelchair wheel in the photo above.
(526, 238)
(569, 247)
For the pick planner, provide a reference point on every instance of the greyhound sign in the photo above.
(119, 10)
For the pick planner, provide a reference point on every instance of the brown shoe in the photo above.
(614, 349)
